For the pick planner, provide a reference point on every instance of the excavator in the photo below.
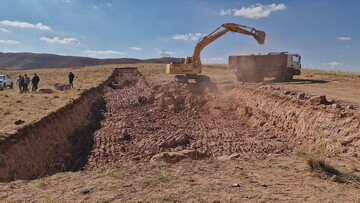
(191, 67)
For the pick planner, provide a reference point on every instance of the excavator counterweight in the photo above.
(192, 67)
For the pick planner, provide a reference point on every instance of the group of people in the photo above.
(23, 83)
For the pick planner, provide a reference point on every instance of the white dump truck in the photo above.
(254, 68)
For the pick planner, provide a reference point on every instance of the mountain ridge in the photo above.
(28, 60)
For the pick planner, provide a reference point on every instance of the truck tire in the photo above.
(11, 85)
(240, 78)
(288, 76)
(258, 78)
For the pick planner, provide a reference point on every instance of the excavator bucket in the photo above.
(260, 37)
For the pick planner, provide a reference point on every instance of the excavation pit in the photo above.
(126, 119)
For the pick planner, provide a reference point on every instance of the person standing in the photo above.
(26, 83)
(35, 81)
(71, 79)
(18, 83)
(22, 84)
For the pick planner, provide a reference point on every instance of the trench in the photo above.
(173, 121)
(128, 119)
(59, 142)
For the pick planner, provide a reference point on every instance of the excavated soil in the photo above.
(145, 118)
(117, 133)
(128, 118)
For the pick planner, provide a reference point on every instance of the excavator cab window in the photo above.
(188, 60)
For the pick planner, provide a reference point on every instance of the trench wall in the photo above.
(58, 142)
(337, 130)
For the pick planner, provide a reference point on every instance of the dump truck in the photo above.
(254, 68)
(191, 67)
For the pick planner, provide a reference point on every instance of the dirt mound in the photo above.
(145, 120)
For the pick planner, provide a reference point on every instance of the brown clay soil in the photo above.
(252, 136)
(144, 119)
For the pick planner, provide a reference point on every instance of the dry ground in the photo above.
(283, 176)
(31, 107)
(342, 86)
(336, 85)
(274, 179)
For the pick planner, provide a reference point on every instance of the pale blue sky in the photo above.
(325, 32)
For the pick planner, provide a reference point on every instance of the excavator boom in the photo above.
(192, 66)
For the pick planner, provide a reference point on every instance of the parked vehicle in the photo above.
(6, 81)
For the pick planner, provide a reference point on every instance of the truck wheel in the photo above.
(258, 78)
(288, 76)
(251, 78)
(11, 85)
(241, 78)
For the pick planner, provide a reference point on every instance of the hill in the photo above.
(40, 61)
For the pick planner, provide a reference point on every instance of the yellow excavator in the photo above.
(191, 67)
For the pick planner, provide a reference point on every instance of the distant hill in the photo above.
(39, 61)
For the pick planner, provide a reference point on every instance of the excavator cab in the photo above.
(188, 60)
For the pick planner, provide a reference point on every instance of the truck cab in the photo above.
(294, 63)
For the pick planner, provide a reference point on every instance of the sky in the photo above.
(324, 32)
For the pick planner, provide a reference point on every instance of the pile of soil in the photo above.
(143, 120)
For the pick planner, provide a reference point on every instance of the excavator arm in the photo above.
(192, 66)
(218, 32)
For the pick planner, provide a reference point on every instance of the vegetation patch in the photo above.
(326, 171)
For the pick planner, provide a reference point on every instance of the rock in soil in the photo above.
(45, 91)
(19, 122)
(317, 100)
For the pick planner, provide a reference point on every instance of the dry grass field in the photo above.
(275, 179)
(32, 106)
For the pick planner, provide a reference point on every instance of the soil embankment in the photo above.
(143, 121)
(59, 142)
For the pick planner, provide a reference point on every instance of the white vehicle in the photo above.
(6, 81)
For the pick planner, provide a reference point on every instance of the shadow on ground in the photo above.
(299, 81)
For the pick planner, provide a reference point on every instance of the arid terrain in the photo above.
(149, 139)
